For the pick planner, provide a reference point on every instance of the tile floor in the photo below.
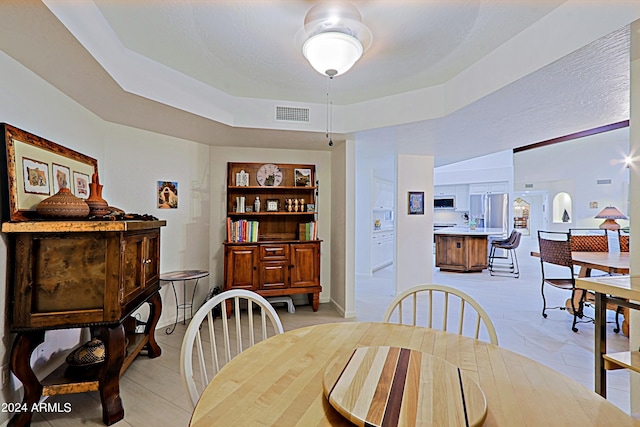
(152, 390)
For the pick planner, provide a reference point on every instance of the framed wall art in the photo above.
(35, 176)
(61, 177)
(167, 195)
(302, 177)
(33, 168)
(416, 202)
(81, 185)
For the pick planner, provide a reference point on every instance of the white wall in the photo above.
(634, 194)
(496, 167)
(575, 167)
(130, 162)
(219, 156)
(414, 233)
(343, 228)
(364, 182)
(134, 161)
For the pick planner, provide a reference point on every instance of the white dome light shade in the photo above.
(332, 53)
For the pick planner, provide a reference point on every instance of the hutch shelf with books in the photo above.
(272, 246)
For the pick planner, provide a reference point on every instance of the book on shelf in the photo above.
(242, 231)
(308, 231)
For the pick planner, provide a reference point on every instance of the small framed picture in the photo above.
(273, 205)
(81, 185)
(242, 179)
(61, 177)
(303, 177)
(311, 207)
(35, 176)
(416, 202)
(167, 195)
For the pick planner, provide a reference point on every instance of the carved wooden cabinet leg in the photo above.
(155, 309)
(114, 344)
(314, 300)
(23, 346)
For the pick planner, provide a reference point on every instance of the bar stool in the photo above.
(510, 244)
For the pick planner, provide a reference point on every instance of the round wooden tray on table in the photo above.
(377, 386)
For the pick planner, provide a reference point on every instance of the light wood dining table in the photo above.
(279, 382)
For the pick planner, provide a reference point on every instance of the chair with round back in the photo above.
(209, 343)
(421, 302)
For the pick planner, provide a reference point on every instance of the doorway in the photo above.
(536, 202)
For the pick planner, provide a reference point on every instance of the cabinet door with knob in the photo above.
(305, 264)
(241, 271)
(140, 262)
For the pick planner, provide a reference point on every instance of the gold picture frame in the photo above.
(20, 148)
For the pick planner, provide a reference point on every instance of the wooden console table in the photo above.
(71, 274)
(615, 290)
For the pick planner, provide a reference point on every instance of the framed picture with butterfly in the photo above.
(33, 168)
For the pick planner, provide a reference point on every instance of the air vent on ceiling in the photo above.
(528, 186)
(292, 114)
(603, 181)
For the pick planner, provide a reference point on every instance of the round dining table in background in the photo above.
(279, 381)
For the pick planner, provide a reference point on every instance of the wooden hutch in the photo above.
(73, 274)
(284, 259)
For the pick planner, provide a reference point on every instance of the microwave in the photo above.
(444, 202)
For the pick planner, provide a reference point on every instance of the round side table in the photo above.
(182, 276)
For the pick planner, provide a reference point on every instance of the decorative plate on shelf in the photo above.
(269, 175)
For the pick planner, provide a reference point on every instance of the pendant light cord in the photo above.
(329, 113)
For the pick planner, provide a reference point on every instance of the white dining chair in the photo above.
(208, 343)
(421, 303)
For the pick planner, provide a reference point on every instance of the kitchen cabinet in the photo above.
(73, 274)
(273, 268)
(462, 197)
(383, 197)
(382, 249)
(444, 190)
(488, 187)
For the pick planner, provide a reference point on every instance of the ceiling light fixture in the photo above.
(333, 37)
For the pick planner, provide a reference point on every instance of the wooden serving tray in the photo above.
(391, 386)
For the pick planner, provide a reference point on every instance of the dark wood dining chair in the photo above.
(589, 240)
(555, 250)
(623, 238)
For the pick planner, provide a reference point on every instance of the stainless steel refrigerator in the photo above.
(490, 210)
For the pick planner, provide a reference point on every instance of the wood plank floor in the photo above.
(152, 389)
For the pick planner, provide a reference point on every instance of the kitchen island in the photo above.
(462, 249)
